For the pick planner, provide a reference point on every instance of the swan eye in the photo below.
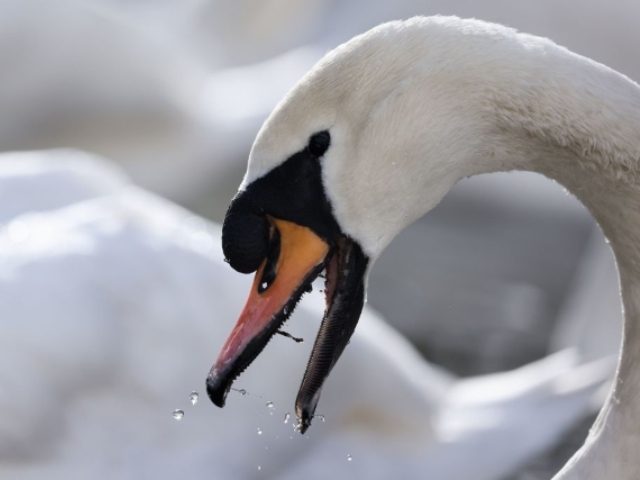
(319, 143)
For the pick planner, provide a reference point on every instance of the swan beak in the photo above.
(345, 293)
(296, 256)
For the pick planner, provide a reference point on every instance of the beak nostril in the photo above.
(271, 262)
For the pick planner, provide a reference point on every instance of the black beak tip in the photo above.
(305, 415)
(305, 423)
(217, 389)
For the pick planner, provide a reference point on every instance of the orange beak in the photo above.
(292, 264)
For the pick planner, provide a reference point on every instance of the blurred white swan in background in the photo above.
(112, 302)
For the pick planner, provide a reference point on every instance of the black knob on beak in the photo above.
(245, 236)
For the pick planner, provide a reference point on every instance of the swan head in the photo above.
(359, 149)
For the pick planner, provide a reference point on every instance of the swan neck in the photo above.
(610, 450)
(596, 156)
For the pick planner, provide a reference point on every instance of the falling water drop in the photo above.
(271, 407)
(349, 457)
(259, 431)
(193, 396)
(287, 416)
(178, 414)
(241, 391)
(259, 467)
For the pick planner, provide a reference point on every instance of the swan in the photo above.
(109, 296)
(376, 134)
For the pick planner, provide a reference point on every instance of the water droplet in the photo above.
(321, 417)
(259, 467)
(287, 416)
(349, 457)
(178, 414)
(193, 396)
(270, 405)
(241, 391)
(259, 431)
(297, 427)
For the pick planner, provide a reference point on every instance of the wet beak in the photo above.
(295, 258)
(345, 293)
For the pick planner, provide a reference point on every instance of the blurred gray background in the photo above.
(507, 269)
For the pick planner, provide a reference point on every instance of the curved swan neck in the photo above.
(532, 105)
(611, 449)
(575, 108)
(510, 102)
(583, 130)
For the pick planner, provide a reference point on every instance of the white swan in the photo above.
(110, 298)
(375, 135)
